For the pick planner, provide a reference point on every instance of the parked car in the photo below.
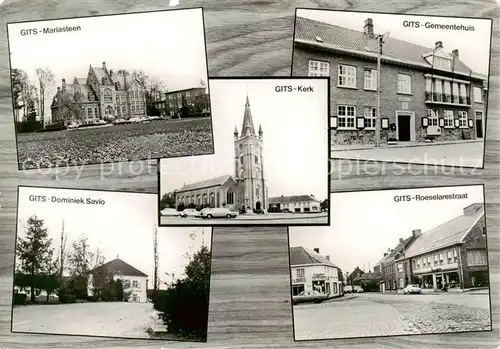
(309, 296)
(119, 121)
(358, 289)
(412, 289)
(135, 120)
(73, 126)
(286, 210)
(218, 212)
(172, 212)
(101, 122)
(348, 289)
(191, 212)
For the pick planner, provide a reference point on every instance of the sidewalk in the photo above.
(399, 145)
(345, 297)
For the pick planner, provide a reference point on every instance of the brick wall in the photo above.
(474, 240)
(389, 100)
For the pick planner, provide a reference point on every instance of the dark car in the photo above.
(309, 296)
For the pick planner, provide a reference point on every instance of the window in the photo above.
(418, 263)
(346, 116)
(435, 259)
(230, 196)
(440, 258)
(478, 95)
(188, 94)
(400, 267)
(455, 257)
(432, 114)
(135, 284)
(198, 200)
(447, 88)
(241, 160)
(462, 117)
(370, 113)
(301, 273)
(256, 159)
(442, 63)
(205, 199)
(463, 90)
(347, 76)
(428, 260)
(404, 83)
(448, 118)
(108, 96)
(317, 68)
(257, 190)
(428, 85)
(371, 79)
(334, 289)
(242, 173)
(476, 257)
(212, 199)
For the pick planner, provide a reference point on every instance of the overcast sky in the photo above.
(295, 136)
(169, 45)
(473, 46)
(364, 225)
(122, 227)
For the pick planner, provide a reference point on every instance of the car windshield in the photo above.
(302, 293)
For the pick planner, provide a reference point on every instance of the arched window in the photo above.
(194, 199)
(256, 159)
(212, 199)
(241, 146)
(230, 196)
(257, 172)
(205, 199)
(218, 199)
(241, 160)
(108, 96)
(96, 111)
(242, 173)
(257, 190)
(198, 200)
(89, 111)
(109, 110)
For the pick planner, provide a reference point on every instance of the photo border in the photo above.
(327, 79)
(485, 116)
(108, 15)
(410, 334)
(11, 330)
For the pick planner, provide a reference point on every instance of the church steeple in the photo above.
(247, 127)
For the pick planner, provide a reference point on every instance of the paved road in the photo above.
(122, 319)
(468, 154)
(269, 219)
(373, 314)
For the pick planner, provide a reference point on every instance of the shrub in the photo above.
(19, 298)
(67, 298)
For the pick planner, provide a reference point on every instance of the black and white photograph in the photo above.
(89, 263)
(416, 264)
(418, 83)
(271, 158)
(104, 90)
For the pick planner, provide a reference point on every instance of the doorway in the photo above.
(404, 127)
(258, 205)
(479, 124)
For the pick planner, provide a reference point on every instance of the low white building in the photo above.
(295, 203)
(134, 278)
(311, 271)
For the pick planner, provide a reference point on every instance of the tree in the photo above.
(167, 201)
(16, 91)
(34, 251)
(69, 109)
(185, 110)
(45, 79)
(324, 204)
(80, 257)
(31, 116)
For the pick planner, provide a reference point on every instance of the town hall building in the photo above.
(247, 188)
(102, 95)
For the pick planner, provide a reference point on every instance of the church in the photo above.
(246, 188)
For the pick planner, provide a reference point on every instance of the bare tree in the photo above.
(45, 79)
(80, 257)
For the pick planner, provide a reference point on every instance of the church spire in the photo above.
(247, 126)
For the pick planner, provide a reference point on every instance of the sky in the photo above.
(473, 46)
(295, 127)
(364, 225)
(169, 45)
(123, 227)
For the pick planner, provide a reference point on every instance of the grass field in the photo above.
(162, 139)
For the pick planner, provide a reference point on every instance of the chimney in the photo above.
(439, 45)
(454, 53)
(401, 240)
(111, 72)
(104, 65)
(327, 258)
(416, 232)
(472, 210)
(368, 28)
(316, 250)
(63, 88)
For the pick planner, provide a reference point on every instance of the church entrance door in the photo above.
(257, 205)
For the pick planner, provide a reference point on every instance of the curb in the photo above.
(404, 146)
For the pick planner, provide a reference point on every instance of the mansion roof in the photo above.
(339, 38)
(292, 199)
(208, 183)
(446, 234)
(301, 255)
(119, 267)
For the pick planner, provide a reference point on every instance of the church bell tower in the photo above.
(248, 162)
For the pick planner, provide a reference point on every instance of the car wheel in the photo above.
(228, 216)
(209, 216)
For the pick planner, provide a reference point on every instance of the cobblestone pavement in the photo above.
(468, 154)
(128, 320)
(369, 315)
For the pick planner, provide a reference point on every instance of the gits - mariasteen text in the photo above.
(50, 30)
(67, 200)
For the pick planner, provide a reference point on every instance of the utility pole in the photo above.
(377, 118)
(155, 247)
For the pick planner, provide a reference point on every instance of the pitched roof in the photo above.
(100, 73)
(336, 37)
(446, 234)
(83, 90)
(289, 199)
(81, 81)
(247, 120)
(185, 89)
(213, 182)
(119, 267)
(369, 276)
(301, 255)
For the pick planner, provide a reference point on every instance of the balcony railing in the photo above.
(435, 97)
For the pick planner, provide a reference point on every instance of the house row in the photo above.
(425, 92)
(310, 271)
(171, 102)
(453, 253)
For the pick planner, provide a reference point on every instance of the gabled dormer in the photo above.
(439, 58)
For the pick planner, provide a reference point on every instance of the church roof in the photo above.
(213, 182)
(247, 120)
(289, 199)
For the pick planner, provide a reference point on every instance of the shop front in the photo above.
(298, 285)
(437, 279)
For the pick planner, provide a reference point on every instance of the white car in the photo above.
(191, 212)
(171, 212)
(412, 289)
(135, 120)
(73, 126)
(100, 122)
(119, 121)
(218, 212)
